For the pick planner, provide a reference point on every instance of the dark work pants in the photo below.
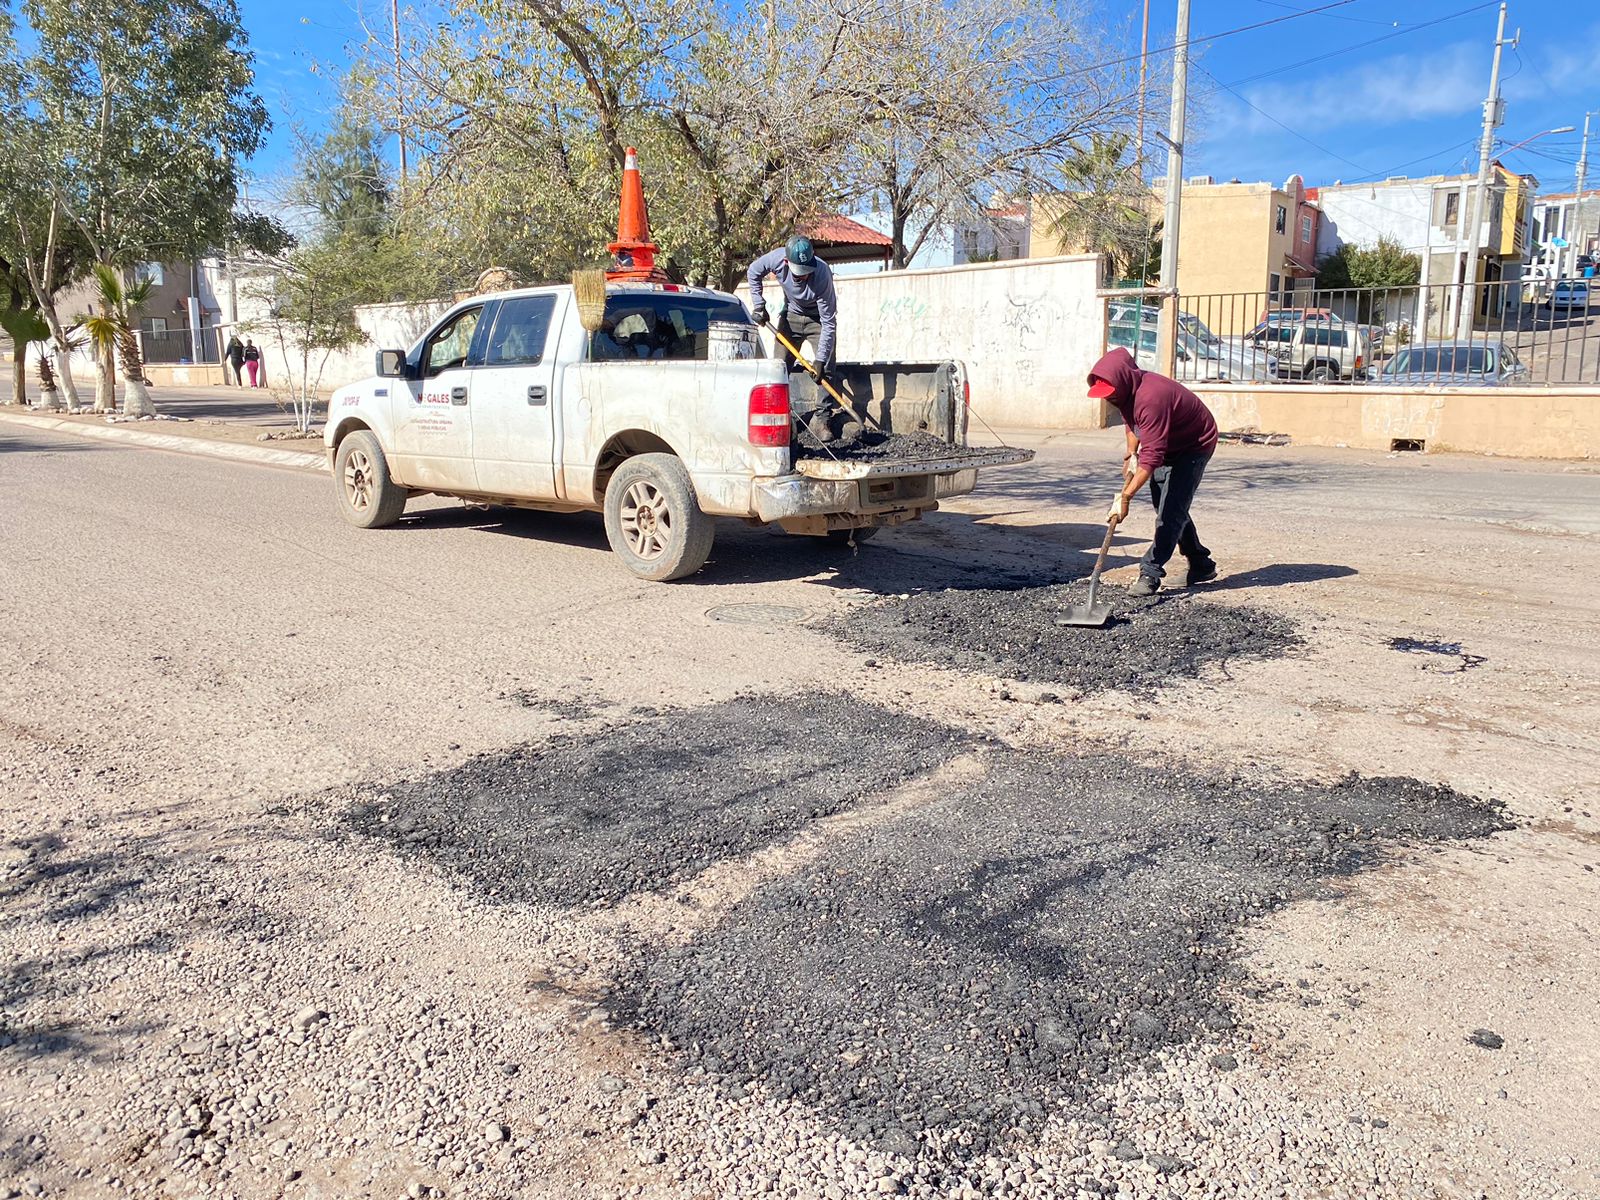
(797, 327)
(238, 371)
(1172, 489)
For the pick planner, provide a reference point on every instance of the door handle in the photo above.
(536, 394)
(458, 395)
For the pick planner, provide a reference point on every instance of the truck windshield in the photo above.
(662, 326)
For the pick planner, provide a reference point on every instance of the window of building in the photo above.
(1281, 223)
(1274, 285)
(151, 271)
(1305, 228)
(1452, 207)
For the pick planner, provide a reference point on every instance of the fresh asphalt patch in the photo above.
(1013, 632)
(644, 803)
(940, 982)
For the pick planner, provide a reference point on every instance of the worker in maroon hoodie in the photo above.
(1171, 437)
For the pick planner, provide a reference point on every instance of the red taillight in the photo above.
(769, 414)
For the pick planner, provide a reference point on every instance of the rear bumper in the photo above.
(797, 496)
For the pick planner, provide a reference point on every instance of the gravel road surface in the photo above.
(683, 894)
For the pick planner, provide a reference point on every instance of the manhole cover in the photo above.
(757, 614)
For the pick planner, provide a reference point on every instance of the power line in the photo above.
(1363, 45)
(1334, 16)
(1210, 37)
(1263, 112)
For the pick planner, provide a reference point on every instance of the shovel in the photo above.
(831, 390)
(1090, 613)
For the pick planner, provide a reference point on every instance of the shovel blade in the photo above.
(1085, 614)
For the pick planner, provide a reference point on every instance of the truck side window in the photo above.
(520, 331)
(670, 326)
(448, 346)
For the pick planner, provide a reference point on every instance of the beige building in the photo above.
(1243, 247)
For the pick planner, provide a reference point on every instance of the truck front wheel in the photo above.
(653, 522)
(368, 495)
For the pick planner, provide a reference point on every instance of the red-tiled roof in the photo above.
(840, 230)
(1011, 210)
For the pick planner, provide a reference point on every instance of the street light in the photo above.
(1537, 136)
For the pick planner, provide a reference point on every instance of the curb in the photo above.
(298, 460)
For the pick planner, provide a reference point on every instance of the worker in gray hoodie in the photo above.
(810, 309)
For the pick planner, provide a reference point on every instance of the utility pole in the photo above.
(1167, 335)
(1575, 234)
(1493, 115)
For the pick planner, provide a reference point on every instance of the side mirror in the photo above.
(391, 363)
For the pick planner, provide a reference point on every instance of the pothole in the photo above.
(1441, 649)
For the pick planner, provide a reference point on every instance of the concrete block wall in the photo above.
(1516, 422)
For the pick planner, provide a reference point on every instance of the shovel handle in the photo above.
(807, 364)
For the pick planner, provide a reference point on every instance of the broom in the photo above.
(589, 290)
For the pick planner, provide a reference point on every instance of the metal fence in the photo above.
(1517, 334)
(178, 345)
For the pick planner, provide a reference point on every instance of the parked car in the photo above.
(1321, 351)
(1570, 294)
(1197, 362)
(1294, 316)
(1454, 364)
(662, 420)
(1123, 312)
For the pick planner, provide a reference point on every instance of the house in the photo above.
(1555, 217)
(1428, 216)
(1241, 246)
(996, 232)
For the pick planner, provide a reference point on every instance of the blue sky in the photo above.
(1409, 104)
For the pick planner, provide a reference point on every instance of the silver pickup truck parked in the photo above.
(662, 421)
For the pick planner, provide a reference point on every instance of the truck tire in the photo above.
(1322, 373)
(654, 522)
(369, 497)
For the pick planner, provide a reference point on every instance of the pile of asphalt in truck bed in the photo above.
(652, 800)
(1000, 952)
(1013, 632)
(874, 445)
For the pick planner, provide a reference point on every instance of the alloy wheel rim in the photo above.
(646, 520)
(358, 479)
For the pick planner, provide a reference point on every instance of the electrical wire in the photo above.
(1307, 62)
(1287, 129)
(1334, 16)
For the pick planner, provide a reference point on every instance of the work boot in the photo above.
(1202, 572)
(1144, 586)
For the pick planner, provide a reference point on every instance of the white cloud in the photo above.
(1447, 82)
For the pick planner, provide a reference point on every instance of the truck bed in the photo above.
(877, 455)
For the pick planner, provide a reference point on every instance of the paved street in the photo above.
(449, 856)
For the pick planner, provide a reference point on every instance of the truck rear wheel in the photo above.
(654, 522)
(368, 495)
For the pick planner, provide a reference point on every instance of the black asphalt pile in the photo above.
(1013, 632)
(876, 446)
(991, 957)
(644, 803)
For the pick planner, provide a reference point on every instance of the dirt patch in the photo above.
(642, 804)
(1013, 632)
(995, 956)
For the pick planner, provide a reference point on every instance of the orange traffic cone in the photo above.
(633, 253)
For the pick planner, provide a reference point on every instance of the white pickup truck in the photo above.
(660, 420)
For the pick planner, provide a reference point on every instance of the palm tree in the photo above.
(114, 328)
(1104, 207)
(25, 327)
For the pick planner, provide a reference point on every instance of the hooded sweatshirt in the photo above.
(1169, 419)
(810, 294)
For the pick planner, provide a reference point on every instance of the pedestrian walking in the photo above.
(810, 308)
(252, 361)
(1171, 436)
(235, 356)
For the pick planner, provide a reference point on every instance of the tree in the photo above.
(1385, 265)
(139, 113)
(114, 329)
(1105, 207)
(748, 118)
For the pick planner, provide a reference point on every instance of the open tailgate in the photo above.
(960, 458)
